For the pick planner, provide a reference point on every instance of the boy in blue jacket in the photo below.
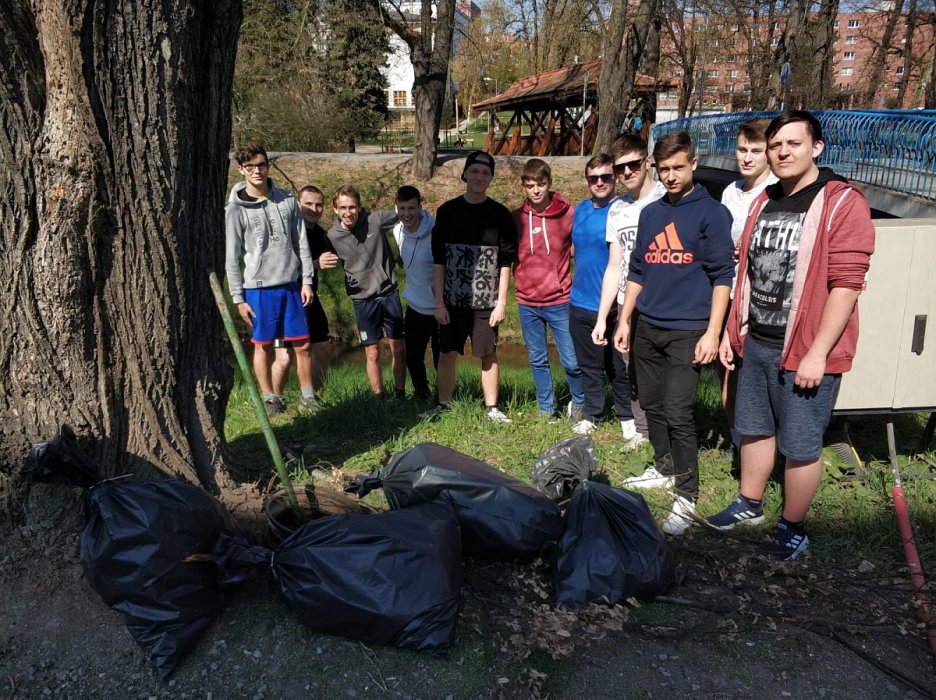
(679, 279)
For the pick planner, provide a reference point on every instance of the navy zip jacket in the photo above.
(682, 251)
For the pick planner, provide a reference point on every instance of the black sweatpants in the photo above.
(420, 330)
(596, 361)
(667, 382)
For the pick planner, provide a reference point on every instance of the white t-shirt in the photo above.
(739, 202)
(622, 228)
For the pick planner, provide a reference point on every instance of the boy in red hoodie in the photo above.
(803, 257)
(542, 280)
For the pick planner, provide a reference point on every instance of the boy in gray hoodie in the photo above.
(263, 228)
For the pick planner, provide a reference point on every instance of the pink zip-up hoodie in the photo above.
(544, 246)
(835, 250)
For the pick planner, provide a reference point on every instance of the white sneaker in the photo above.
(584, 427)
(496, 415)
(650, 479)
(681, 517)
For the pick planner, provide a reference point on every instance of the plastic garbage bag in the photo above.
(134, 549)
(501, 517)
(612, 549)
(393, 578)
(563, 466)
(60, 461)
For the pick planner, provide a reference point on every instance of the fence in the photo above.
(895, 150)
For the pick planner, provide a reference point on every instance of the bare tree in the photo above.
(619, 67)
(907, 52)
(114, 138)
(429, 40)
(881, 51)
(824, 46)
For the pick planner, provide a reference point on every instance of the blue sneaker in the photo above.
(785, 543)
(738, 513)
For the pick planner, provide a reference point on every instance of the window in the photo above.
(836, 24)
(711, 88)
(729, 87)
(774, 41)
(732, 58)
(775, 26)
(854, 23)
(899, 70)
(399, 98)
(846, 71)
(747, 88)
(851, 40)
(711, 74)
(734, 27)
(732, 73)
(713, 42)
(849, 56)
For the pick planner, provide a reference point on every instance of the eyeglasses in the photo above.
(632, 165)
(255, 167)
(605, 178)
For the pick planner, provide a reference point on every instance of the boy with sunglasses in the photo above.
(632, 170)
(263, 227)
(591, 259)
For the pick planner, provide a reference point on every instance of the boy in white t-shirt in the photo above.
(738, 196)
(632, 170)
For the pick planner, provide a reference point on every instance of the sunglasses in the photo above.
(632, 165)
(595, 179)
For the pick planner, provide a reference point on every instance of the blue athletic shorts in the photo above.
(380, 315)
(768, 402)
(278, 313)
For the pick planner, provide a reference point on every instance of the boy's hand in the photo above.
(598, 332)
(706, 349)
(622, 337)
(442, 316)
(497, 316)
(307, 295)
(246, 313)
(725, 353)
(327, 260)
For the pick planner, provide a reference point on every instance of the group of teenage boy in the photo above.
(666, 280)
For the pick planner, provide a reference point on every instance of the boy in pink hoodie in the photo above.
(542, 280)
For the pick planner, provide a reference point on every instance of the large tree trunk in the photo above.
(114, 135)
(619, 68)
(825, 50)
(880, 57)
(428, 99)
(908, 54)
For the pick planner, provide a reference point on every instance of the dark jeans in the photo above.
(596, 361)
(667, 382)
(420, 330)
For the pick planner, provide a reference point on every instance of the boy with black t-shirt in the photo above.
(802, 263)
(474, 244)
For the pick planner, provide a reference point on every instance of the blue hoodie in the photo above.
(682, 251)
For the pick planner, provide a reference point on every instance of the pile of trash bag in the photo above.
(163, 552)
(501, 517)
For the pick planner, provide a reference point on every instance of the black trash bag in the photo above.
(393, 578)
(134, 549)
(60, 461)
(612, 549)
(563, 466)
(500, 517)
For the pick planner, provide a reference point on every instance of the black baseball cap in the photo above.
(481, 157)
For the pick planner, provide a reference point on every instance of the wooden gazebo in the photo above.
(553, 106)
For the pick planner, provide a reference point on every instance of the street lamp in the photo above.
(490, 80)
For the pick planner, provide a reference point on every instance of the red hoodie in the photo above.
(836, 244)
(544, 246)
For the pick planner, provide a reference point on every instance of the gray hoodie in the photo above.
(366, 254)
(269, 235)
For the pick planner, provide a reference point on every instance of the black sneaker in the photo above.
(738, 513)
(400, 396)
(785, 543)
(273, 406)
(574, 412)
(310, 404)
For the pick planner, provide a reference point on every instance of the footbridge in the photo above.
(890, 154)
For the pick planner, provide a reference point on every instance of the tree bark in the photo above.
(825, 49)
(880, 56)
(114, 135)
(430, 47)
(908, 54)
(619, 68)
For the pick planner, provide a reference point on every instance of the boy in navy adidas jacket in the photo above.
(679, 278)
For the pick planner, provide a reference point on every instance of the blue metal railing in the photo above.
(895, 150)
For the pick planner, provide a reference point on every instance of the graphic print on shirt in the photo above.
(471, 276)
(666, 248)
(626, 237)
(772, 263)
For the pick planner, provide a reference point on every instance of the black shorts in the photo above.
(464, 324)
(381, 315)
(318, 322)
